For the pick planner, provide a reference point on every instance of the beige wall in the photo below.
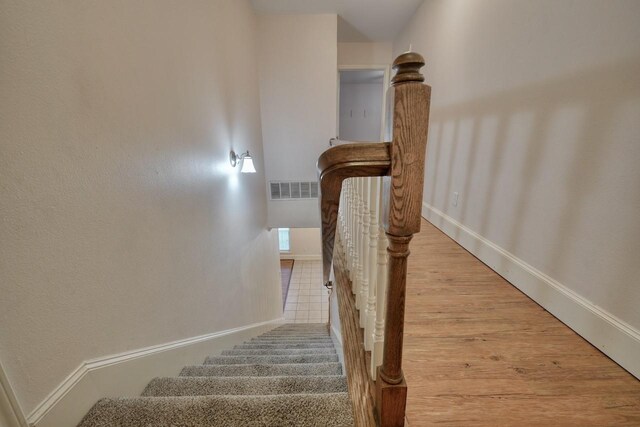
(298, 88)
(353, 54)
(122, 223)
(305, 243)
(535, 123)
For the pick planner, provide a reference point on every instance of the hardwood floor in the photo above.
(478, 352)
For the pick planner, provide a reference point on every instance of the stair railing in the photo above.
(371, 196)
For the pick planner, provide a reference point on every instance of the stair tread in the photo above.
(255, 369)
(286, 345)
(304, 410)
(292, 338)
(245, 385)
(296, 358)
(277, 351)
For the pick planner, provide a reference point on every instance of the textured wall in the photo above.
(298, 88)
(305, 242)
(122, 224)
(352, 54)
(535, 120)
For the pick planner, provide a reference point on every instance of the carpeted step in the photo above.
(278, 352)
(294, 335)
(303, 410)
(293, 338)
(257, 370)
(290, 343)
(302, 325)
(297, 331)
(203, 386)
(245, 360)
(289, 376)
(286, 344)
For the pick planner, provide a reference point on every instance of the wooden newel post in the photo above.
(402, 195)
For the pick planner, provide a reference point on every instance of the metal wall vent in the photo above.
(293, 190)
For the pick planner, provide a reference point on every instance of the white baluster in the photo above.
(381, 297)
(354, 231)
(366, 219)
(354, 234)
(350, 223)
(374, 201)
(359, 233)
(339, 222)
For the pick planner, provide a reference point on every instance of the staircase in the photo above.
(289, 376)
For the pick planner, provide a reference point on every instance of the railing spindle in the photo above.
(366, 219)
(370, 312)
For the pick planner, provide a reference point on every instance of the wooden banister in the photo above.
(401, 163)
(334, 166)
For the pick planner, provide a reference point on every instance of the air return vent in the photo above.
(293, 190)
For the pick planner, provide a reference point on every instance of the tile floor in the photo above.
(307, 300)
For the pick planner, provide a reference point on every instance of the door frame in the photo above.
(385, 88)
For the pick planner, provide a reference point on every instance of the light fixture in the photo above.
(245, 158)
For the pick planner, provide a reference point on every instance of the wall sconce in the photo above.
(245, 158)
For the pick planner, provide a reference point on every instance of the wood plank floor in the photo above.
(478, 352)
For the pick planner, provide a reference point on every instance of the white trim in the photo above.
(336, 335)
(94, 365)
(289, 255)
(9, 402)
(617, 339)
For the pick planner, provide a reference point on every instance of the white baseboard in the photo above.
(126, 374)
(615, 338)
(301, 257)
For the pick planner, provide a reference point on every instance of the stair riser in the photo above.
(244, 360)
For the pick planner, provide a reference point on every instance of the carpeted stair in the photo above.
(289, 376)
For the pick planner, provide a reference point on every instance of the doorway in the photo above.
(361, 103)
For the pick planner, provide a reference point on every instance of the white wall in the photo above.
(358, 54)
(298, 89)
(304, 244)
(360, 111)
(535, 122)
(122, 224)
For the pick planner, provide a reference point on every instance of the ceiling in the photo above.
(358, 20)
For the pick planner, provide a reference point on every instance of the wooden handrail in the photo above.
(401, 163)
(334, 166)
(333, 142)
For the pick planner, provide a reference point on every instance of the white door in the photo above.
(361, 103)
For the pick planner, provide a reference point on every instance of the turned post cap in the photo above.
(407, 67)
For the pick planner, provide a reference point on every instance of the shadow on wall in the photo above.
(545, 155)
